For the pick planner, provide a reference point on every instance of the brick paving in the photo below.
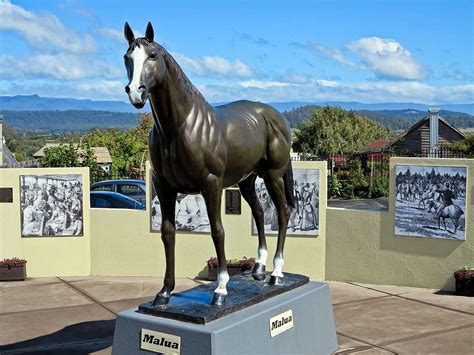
(76, 315)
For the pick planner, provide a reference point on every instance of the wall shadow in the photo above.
(80, 338)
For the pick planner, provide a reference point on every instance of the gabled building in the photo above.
(427, 134)
(102, 155)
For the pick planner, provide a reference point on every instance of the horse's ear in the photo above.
(128, 33)
(149, 34)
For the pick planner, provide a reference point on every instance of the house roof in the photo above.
(101, 153)
(378, 144)
(421, 122)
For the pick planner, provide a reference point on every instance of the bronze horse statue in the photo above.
(196, 148)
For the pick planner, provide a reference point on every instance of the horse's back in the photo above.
(256, 135)
(252, 111)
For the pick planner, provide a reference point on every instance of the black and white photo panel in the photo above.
(304, 218)
(51, 205)
(191, 214)
(430, 201)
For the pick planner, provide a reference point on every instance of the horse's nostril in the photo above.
(141, 88)
(127, 89)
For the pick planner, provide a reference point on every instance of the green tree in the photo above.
(465, 146)
(128, 149)
(72, 155)
(332, 130)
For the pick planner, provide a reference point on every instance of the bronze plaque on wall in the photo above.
(232, 201)
(6, 194)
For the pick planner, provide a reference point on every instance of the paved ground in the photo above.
(366, 204)
(76, 315)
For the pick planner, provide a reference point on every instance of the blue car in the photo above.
(135, 189)
(107, 199)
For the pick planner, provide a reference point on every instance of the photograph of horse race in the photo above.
(304, 218)
(430, 201)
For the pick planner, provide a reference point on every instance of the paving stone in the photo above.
(52, 327)
(373, 351)
(347, 344)
(113, 278)
(39, 296)
(113, 289)
(30, 282)
(394, 290)
(122, 305)
(383, 320)
(106, 351)
(342, 292)
(457, 342)
(461, 303)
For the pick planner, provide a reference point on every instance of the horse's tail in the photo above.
(288, 182)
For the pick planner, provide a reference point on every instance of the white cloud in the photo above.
(57, 66)
(213, 66)
(387, 58)
(102, 90)
(111, 34)
(43, 31)
(332, 53)
(328, 90)
(262, 84)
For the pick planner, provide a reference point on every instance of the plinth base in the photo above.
(298, 321)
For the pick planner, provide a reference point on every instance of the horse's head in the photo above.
(145, 65)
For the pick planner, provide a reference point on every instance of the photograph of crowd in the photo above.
(430, 201)
(51, 205)
(191, 214)
(304, 218)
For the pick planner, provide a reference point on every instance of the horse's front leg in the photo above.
(212, 192)
(167, 196)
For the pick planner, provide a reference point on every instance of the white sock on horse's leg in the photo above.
(222, 280)
(278, 263)
(262, 256)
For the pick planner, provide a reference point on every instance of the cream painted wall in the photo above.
(123, 244)
(46, 256)
(362, 246)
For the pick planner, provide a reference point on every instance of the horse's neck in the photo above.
(175, 101)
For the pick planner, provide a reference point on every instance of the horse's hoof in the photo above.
(275, 281)
(218, 299)
(160, 300)
(258, 272)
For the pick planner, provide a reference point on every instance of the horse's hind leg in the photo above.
(247, 188)
(277, 192)
(167, 196)
(212, 192)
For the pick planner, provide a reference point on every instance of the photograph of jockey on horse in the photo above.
(430, 201)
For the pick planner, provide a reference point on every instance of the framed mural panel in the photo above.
(304, 218)
(191, 213)
(430, 201)
(51, 205)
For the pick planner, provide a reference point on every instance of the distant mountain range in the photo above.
(358, 106)
(55, 115)
(38, 103)
(35, 102)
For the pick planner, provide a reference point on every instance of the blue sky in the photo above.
(367, 51)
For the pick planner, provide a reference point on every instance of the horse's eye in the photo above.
(153, 56)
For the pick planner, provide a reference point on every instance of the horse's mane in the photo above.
(170, 63)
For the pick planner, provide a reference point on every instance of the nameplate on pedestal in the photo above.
(281, 323)
(160, 342)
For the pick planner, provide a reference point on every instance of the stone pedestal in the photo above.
(299, 321)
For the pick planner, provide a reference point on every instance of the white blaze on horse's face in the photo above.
(137, 88)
